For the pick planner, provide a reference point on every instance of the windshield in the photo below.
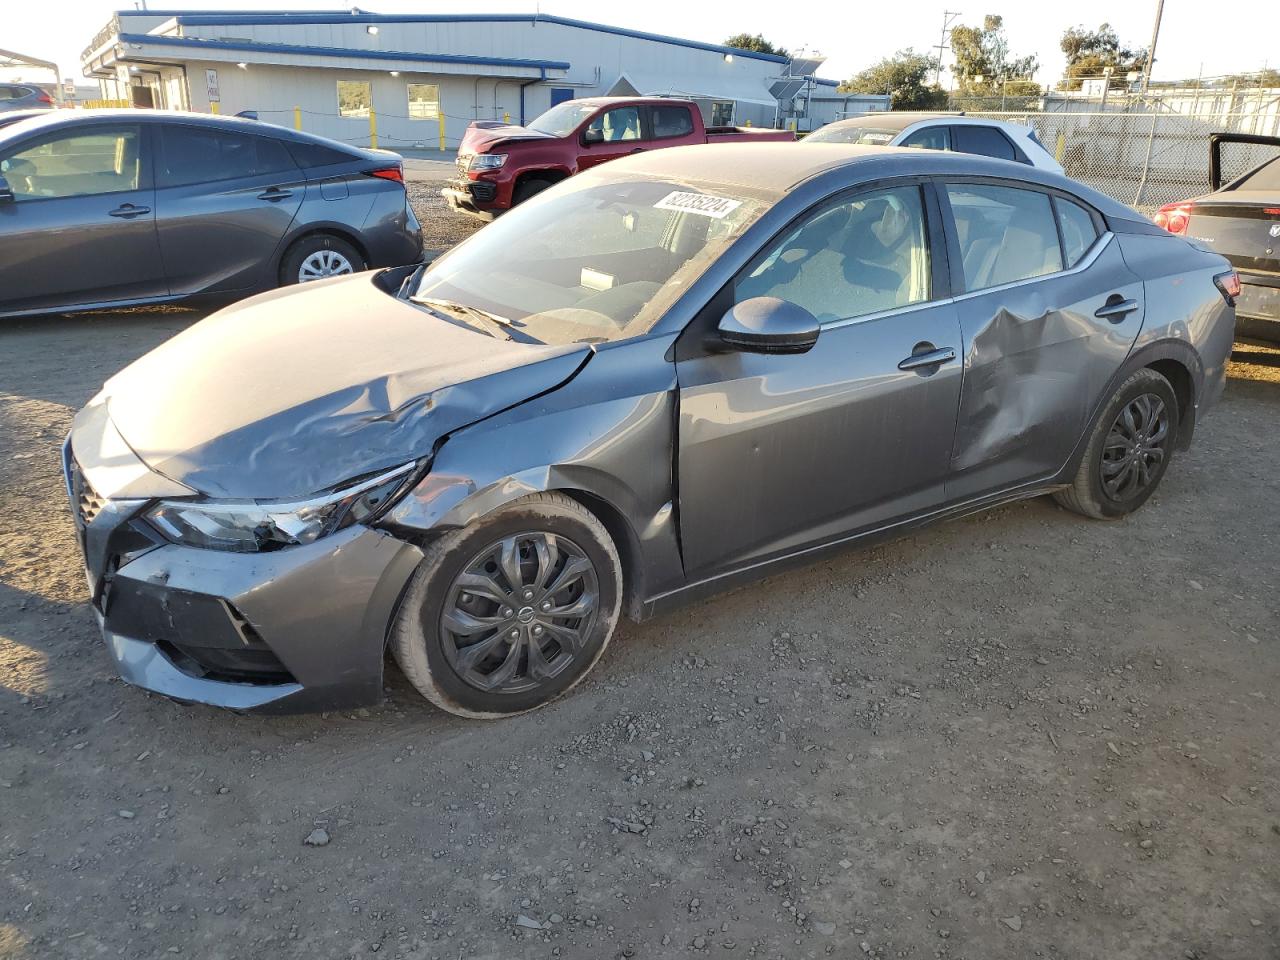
(596, 258)
(562, 119)
(835, 133)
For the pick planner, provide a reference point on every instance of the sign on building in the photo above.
(211, 83)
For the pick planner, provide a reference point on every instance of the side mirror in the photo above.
(6, 194)
(592, 135)
(769, 325)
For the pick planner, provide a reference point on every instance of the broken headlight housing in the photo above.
(487, 161)
(253, 526)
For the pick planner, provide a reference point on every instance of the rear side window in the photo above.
(1006, 234)
(1078, 230)
(671, 122)
(930, 138)
(306, 154)
(984, 141)
(204, 154)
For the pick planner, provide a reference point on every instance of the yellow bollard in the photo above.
(441, 126)
(214, 107)
(373, 128)
(1062, 147)
(748, 123)
(506, 118)
(297, 118)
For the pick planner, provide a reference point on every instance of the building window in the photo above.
(722, 113)
(424, 101)
(355, 98)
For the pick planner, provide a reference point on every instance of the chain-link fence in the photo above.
(1145, 160)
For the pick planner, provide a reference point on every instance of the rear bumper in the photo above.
(1258, 306)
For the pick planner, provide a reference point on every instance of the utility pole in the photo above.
(1151, 50)
(948, 17)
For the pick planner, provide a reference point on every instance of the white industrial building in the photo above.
(412, 80)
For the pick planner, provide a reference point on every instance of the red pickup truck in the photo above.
(501, 164)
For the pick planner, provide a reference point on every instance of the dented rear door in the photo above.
(1039, 353)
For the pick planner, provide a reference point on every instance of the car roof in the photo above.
(893, 119)
(781, 167)
(53, 119)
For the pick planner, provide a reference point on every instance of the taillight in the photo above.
(43, 97)
(387, 173)
(1173, 217)
(1229, 284)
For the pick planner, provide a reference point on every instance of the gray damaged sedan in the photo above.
(659, 379)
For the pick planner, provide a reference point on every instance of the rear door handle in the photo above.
(274, 194)
(128, 211)
(1116, 308)
(930, 358)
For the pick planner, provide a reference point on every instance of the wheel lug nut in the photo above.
(528, 594)
(537, 631)
(546, 605)
(515, 634)
(507, 611)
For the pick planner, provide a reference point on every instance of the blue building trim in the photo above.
(279, 17)
(346, 53)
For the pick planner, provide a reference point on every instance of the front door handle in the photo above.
(128, 211)
(275, 194)
(1116, 308)
(928, 358)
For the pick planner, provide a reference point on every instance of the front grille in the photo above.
(463, 161)
(85, 500)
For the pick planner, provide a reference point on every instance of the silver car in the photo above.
(110, 208)
(673, 374)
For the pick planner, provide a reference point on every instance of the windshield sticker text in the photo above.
(700, 203)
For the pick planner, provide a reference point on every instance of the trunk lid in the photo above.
(1243, 228)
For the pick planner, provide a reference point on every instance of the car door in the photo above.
(78, 223)
(1048, 312)
(612, 133)
(777, 452)
(224, 201)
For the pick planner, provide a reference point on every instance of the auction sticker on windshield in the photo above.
(702, 204)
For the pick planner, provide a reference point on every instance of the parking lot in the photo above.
(1020, 734)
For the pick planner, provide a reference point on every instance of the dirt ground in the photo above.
(1023, 734)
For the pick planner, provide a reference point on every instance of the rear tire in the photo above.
(318, 256)
(528, 188)
(512, 611)
(1128, 451)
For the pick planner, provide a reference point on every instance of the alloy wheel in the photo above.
(520, 613)
(323, 263)
(1135, 447)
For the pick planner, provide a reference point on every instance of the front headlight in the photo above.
(258, 525)
(487, 161)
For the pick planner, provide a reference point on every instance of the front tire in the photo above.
(1129, 449)
(512, 611)
(527, 189)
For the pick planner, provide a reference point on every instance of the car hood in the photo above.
(300, 390)
(486, 134)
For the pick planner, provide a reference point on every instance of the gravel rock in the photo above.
(319, 837)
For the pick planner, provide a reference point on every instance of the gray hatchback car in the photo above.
(658, 379)
(113, 208)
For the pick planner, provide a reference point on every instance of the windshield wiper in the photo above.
(491, 323)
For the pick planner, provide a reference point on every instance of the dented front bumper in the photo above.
(302, 628)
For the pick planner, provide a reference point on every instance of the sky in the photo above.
(1222, 36)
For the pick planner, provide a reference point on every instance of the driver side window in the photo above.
(622, 123)
(83, 163)
(848, 259)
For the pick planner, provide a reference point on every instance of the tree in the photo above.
(755, 43)
(984, 52)
(1090, 52)
(905, 77)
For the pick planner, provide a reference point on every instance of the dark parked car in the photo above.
(113, 207)
(1241, 221)
(655, 380)
(23, 96)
